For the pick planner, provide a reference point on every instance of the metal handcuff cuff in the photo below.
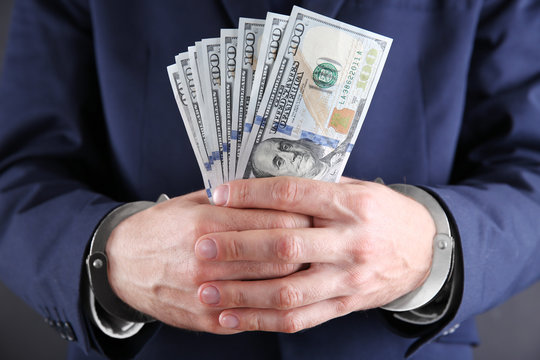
(443, 250)
(97, 263)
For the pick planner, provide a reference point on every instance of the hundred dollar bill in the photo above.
(186, 73)
(316, 100)
(270, 41)
(195, 60)
(191, 74)
(210, 77)
(208, 119)
(228, 44)
(249, 37)
(180, 91)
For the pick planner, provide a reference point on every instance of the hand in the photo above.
(368, 246)
(153, 268)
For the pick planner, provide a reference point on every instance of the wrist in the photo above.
(97, 263)
(442, 246)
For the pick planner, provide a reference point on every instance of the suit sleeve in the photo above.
(493, 198)
(56, 178)
(494, 195)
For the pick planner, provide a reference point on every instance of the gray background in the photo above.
(511, 331)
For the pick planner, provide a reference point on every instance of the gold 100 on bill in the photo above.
(314, 100)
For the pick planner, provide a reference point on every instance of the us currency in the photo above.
(195, 60)
(206, 109)
(196, 123)
(180, 90)
(228, 44)
(271, 39)
(249, 37)
(210, 77)
(316, 99)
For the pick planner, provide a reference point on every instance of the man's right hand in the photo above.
(153, 268)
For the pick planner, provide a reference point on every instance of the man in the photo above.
(303, 158)
(280, 267)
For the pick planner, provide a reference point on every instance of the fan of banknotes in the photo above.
(285, 95)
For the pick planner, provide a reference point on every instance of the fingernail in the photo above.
(206, 249)
(229, 321)
(221, 195)
(210, 295)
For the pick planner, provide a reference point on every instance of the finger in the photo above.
(286, 321)
(297, 290)
(229, 219)
(290, 246)
(348, 180)
(246, 270)
(199, 197)
(296, 195)
(171, 313)
(216, 219)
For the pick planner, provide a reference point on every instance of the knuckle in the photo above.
(336, 199)
(160, 292)
(238, 299)
(286, 191)
(289, 248)
(366, 205)
(365, 249)
(292, 323)
(342, 306)
(357, 255)
(235, 249)
(254, 322)
(289, 297)
(243, 195)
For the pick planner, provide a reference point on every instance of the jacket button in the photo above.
(60, 329)
(68, 331)
(49, 321)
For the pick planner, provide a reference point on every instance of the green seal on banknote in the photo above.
(325, 75)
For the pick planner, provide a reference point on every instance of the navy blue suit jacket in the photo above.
(88, 121)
